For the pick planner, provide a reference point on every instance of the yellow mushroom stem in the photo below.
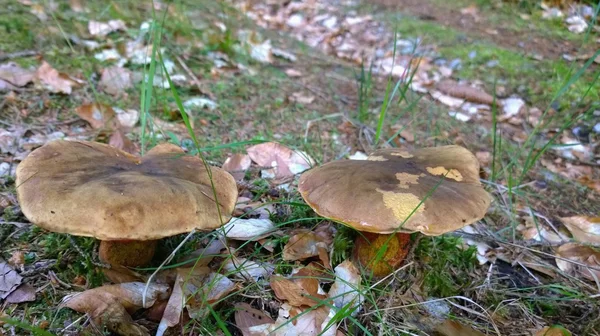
(128, 253)
(394, 249)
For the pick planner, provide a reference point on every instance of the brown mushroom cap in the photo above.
(431, 190)
(91, 189)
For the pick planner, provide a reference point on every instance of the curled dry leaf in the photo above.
(299, 290)
(584, 229)
(111, 305)
(172, 313)
(237, 164)
(306, 244)
(553, 331)
(247, 317)
(248, 228)
(98, 115)
(285, 162)
(447, 100)
(97, 28)
(346, 289)
(9, 279)
(201, 288)
(115, 80)
(466, 92)
(12, 73)
(581, 254)
(55, 81)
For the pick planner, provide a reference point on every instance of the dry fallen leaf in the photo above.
(248, 228)
(247, 317)
(119, 140)
(127, 118)
(97, 28)
(112, 305)
(15, 75)
(9, 279)
(346, 289)
(55, 81)
(466, 92)
(202, 287)
(584, 229)
(540, 232)
(582, 254)
(293, 73)
(23, 293)
(115, 80)
(300, 98)
(293, 321)
(98, 115)
(246, 269)
(306, 244)
(298, 290)
(285, 162)
(237, 164)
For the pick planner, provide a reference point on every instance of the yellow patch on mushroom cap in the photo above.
(402, 205)
(376, 158)
(406, 179)
(452, 173)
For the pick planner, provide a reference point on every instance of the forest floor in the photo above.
(333, 79)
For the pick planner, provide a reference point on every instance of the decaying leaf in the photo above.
(299, 290)
(300, 98)
(584, 229)
(284, 161)
(466, 92)
(306, 244)
(346, 289)
(298, 321)
(246, 269)
(9, 279)
(553, 331)
(112, 305)
(97, 28)
(56, 81)
(247, 317)
(582, 255)
(115, 80)
(202, 287)
(237, 164)
(12, 73)
(248, 228)
(98, 115)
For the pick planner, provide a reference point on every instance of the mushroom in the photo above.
(95, 190)
(431, 190)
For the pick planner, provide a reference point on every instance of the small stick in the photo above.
(24, 53)
(195, 79)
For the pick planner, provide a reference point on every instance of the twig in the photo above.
(85, 255)
(39, 269)
(310, 122)
(24, 53)
(201, 88)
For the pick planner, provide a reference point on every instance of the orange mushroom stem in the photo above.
(128, 253)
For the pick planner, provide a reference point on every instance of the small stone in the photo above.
(455, 64)
(597, 128)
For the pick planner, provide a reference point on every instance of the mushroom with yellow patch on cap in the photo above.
(431, 190)
(95, 190)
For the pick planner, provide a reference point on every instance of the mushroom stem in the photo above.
(128, 253)
(367, 251)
